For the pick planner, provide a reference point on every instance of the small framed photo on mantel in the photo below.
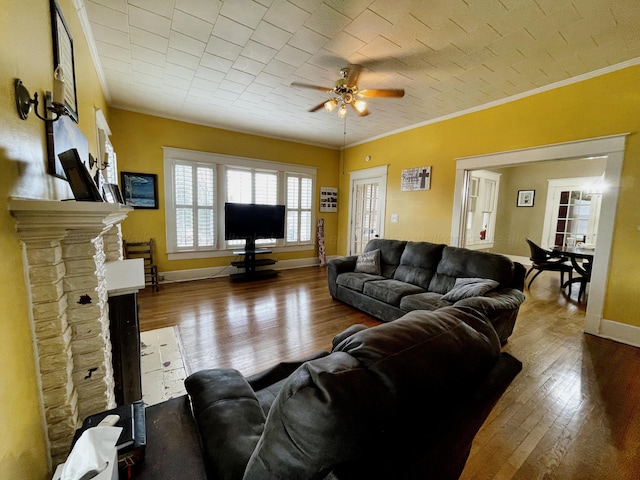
(525, 198)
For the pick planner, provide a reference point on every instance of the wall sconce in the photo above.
(24, 100)
(93, 162)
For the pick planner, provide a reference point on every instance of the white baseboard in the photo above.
(620, 332)
(526, 261)
(225, 271)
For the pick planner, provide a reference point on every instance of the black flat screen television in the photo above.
(250, 221)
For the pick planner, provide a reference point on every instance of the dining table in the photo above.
(581, 259)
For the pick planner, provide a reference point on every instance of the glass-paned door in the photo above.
(366, 207)
(366, 214)
(572, 212)
(577, 217)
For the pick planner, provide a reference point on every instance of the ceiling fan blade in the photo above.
(353, 75)
(383, 92)
(363, 113)
(318, 107)
(313, 87)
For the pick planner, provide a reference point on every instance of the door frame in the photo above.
(613, 147)
(368, 174)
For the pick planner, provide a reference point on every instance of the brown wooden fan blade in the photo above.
(384, 92)
(364, 113)
(313, 87)
(353, 75)
(318, 107)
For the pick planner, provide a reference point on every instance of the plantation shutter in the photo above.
(194, 186)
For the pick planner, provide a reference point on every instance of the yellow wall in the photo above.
(605, 105)
(26, 53)
(138, 140)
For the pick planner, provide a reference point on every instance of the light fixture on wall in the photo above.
(93, 162)
(57, 107)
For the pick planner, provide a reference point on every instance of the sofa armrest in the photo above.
(519, 272)
(346, 334)
(503, 299)
(336, 266)
(229, 420)
(280, 371)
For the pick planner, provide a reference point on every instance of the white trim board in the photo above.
(620, 332)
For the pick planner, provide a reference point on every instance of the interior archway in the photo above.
(612, 147)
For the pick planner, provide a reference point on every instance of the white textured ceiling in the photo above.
(230, 63)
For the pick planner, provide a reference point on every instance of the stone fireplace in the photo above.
(65, 246)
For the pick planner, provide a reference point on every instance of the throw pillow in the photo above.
(369, 262)
(469, 287)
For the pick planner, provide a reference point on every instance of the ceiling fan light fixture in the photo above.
(329, 105)
(360, 106)
(342, 111)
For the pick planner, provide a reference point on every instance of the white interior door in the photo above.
(572, 213)
(367, 208)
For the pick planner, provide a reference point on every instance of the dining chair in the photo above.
(547, 260)
(143, 250)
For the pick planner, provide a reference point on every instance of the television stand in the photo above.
(249, 265)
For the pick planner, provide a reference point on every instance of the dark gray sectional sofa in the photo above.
(422, 276)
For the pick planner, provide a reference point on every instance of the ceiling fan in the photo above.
(346, 92)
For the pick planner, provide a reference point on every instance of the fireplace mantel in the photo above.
(66, 245)
(47, 218)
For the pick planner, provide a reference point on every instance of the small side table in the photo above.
(173, 446)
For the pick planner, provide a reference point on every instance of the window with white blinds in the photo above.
(299, 203)
(195, 216)
(197, 185)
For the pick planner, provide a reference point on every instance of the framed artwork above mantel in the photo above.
(63, 56)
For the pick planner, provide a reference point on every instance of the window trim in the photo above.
(220, 163)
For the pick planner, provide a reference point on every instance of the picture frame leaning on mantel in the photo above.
(82, 185)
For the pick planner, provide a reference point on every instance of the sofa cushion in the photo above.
(368, 262)
(461, 262)
(390, 253)
(356, 281)
(469, 287)
(418, 263)
(321, 417)
(423, 301)
(390, 291)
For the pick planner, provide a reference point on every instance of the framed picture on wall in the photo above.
(63, 57)
(525, 198)
(139, 190)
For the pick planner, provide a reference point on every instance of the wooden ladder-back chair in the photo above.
(542, 260)
(143, 250)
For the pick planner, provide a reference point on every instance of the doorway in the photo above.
(611, 147)
(367, 207)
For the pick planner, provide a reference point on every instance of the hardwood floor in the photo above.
(572, 413)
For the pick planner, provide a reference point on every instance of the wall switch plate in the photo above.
(394, 218)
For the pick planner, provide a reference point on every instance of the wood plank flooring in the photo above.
(572, 413)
